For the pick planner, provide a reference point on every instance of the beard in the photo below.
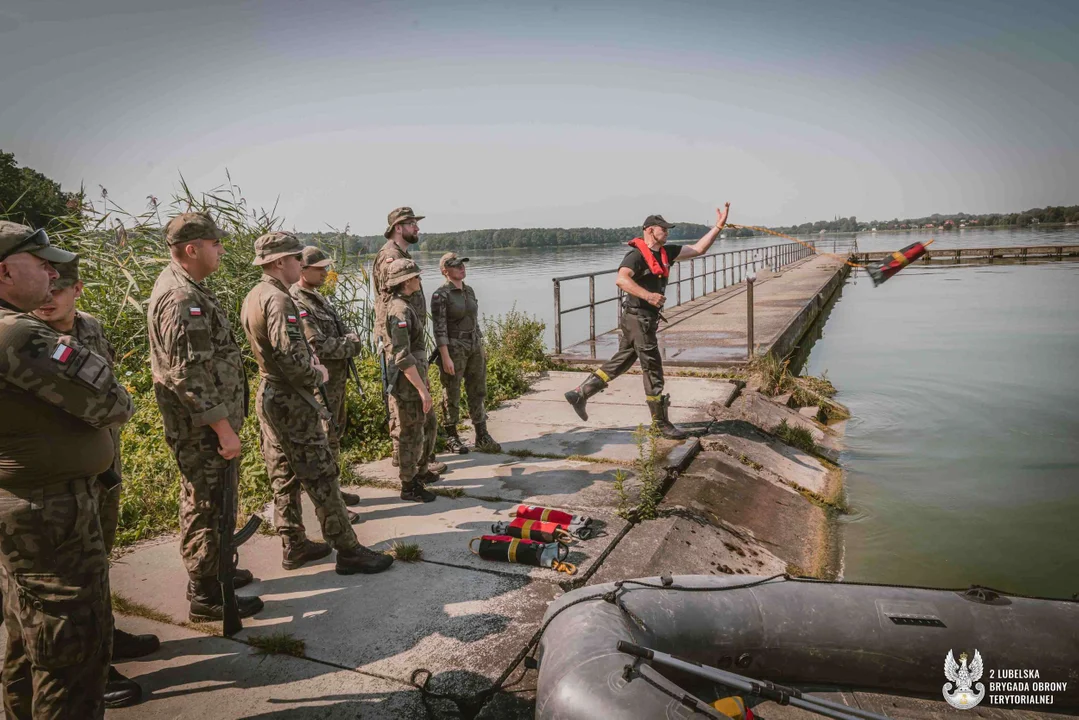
(411, 236)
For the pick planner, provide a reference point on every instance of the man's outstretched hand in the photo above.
(721, 215)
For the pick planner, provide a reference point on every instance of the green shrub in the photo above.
(795, 436)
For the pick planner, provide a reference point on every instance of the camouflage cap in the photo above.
(189, 226)
(450, 259)
(275, 245)
(16, 238)
(400, 215)
(400, 270)
(69, 274)
(656, 220)
(314, 257)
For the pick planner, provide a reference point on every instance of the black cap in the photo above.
(652, 220)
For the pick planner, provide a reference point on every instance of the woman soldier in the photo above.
(406, 366)
(455, 313)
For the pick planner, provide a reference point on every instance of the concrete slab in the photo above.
(766, 413)
(463, 624)
(574, 485)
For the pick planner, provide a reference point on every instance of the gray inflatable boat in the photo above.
(806, 634)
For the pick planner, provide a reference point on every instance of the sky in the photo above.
(551, 114)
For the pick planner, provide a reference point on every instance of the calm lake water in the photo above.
(963, 450)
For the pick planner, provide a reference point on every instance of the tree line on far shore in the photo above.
(1049, 215)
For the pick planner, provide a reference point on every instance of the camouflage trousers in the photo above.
(54, 575)
(337, 388)
(297, 453)
(202, 470)
(469, 366)
(415, 432)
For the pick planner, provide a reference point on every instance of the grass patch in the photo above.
(524, 453)
(406, 551)
(773, 377)
(450, 492)
(650, 476)
(745, 460)
(277, 643)
(795, 436)
(621, 493)
(127, 606)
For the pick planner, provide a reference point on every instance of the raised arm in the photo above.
(702, 246)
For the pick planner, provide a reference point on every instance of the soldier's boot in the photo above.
(295, 555)
(361, 560)
(659, 407)
(353, 517)
(350, 498)
(416, 492)
(453, 441)
(579, 396)
(121, 692)
(208, 606)
(435, 466)
(241, 578)
(427, 478)
(484, 441)
(126, 646)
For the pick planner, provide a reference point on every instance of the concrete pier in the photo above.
(712, 330)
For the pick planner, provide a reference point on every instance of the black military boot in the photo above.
(295, 555)
(121, 692)
(207, 605)
(579, 396)
(453, 441)
(484, 441)
(126, 646)
(427, 478)
(361, 560)
(659, 417)
(241, 578)
(353, 518)
(350, 498)
(435, 466)
(416, 492)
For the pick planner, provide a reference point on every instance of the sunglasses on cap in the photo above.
(37, 238)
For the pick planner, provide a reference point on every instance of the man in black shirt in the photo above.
(642, 276)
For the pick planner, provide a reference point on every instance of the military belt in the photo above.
(36, 495)
(460, 334)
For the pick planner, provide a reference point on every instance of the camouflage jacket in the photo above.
(273, 327)
(407, 346)
(59, 401)
(197, 366)
(88, 332)
(386, 255)
(455, 314)
(325, 331)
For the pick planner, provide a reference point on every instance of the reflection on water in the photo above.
(963, 450)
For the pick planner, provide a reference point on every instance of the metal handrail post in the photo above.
(678, 286)
(557, 317)
(693, 279)
(749, 317)
(592, 307)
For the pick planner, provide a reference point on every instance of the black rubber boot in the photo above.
(659, 417)
(241, 577)
(207, 605)
(416, 492)
(126, 646)
(484, 441)
(361, 560)
(350, 498)
(579, 396)
(296, 555)
(453, 441)
(121, 692)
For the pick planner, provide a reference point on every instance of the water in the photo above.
(962, 453)
(509, 276)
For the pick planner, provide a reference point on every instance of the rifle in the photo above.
(229, 542)
(385, 378)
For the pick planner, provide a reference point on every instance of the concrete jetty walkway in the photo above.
(711, 331)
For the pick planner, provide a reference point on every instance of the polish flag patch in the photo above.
(402, 323)
(62, 353)
(291, 318)
(195, 311)
(303, 313)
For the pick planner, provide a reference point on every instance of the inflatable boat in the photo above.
(804, 634)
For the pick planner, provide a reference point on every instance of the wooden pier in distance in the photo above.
(1051, 252)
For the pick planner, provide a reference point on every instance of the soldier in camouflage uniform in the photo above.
(294, 442)
(54, 571)
(201, 390)
(455, 316)
(60, 314)
(406, 361)
(402, 232)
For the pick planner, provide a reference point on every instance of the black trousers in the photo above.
(638, 343)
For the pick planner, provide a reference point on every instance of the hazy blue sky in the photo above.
(495, 114)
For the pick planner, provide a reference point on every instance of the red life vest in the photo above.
(661, 268)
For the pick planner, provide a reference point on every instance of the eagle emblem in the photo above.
(960, 690)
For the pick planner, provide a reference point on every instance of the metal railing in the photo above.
(724, 268)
